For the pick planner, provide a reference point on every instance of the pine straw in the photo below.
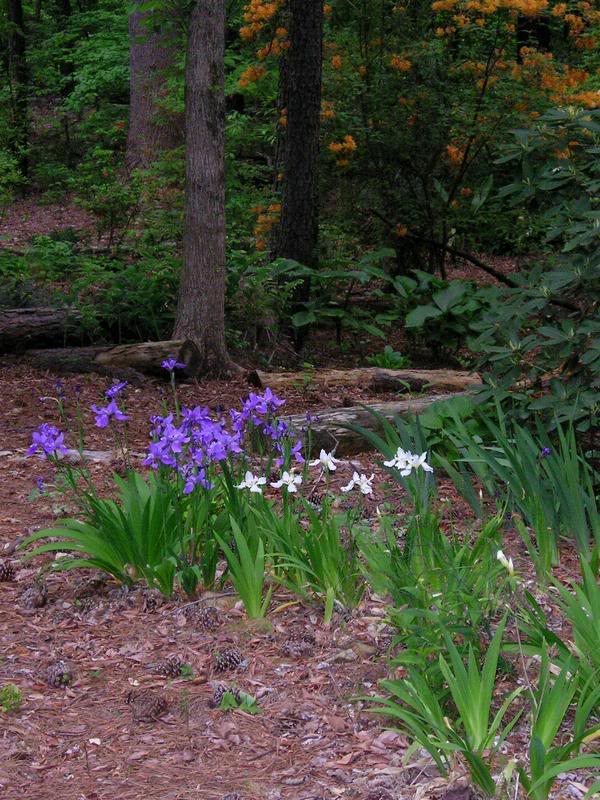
(311, 741)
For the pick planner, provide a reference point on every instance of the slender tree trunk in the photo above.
(296, 235)
(297, 232)
(201, 306)
(151, 55)
(19, 78)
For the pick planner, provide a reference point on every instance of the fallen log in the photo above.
(78, 361)
(375, 379)
(22, 327)
(147, 357)
(329, 431)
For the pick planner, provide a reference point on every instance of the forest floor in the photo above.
(313, 739)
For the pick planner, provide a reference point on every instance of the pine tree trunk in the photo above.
(201, 307)
(19, 80)
(297, 232)
(151, 55)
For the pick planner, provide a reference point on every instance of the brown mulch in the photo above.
(312, 739)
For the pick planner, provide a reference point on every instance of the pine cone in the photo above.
(152, 599)
(35, 597)
(379, 794)
(59, 674)
(299, 643)
(90, 586)
(7, 571)
(221, 690)
(209, 617)
(230, 658)
(146, 706)
(171, 667)
(85, 603)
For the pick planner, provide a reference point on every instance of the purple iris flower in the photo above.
(254, 407)
(197, 416)
(172, 364)
(174, 438)
(271, 400)
(194, 477)
(106, 413)
(159, 453)
(115, 389)
(296, 452)
(238, 421)
(48, 439)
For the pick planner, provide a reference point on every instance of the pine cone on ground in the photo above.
(299, 643)
(379, 794)
(35, 597)
(171, 667)
(85, 603)
(221, 690)
(146, 706)
(209, 617)
(230, 658)
(7, 571)
(90, 586)
(59, 674)
(152, 599)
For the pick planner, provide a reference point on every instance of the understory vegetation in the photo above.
(231, 499)
(421, 191)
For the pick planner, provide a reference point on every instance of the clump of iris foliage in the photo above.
(231, 497)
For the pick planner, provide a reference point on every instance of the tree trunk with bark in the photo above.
(201, 306)
(151, 55)
(297, 232)
(19, 81)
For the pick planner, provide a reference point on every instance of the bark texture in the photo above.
(151, 55)
(79, 361)
(330, 431)
(376, 379)
(23, 327)
(297, 232)
(147, 357)
(201, 306)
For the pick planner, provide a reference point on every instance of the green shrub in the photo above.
(540, 343)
